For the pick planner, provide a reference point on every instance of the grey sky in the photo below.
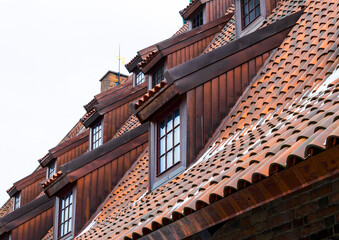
(52, 55)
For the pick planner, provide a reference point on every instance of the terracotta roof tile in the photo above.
(49, 235)
(149, 94)
(148, 58)
(183, 29)
(52, 179)
(6, 208)
(288, 114)
(187, 7)
(88, 114)
(78, 128)
(228, 34)
(131, 123)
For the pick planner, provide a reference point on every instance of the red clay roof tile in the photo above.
(6, 208)
(289, 114)
(131, 123)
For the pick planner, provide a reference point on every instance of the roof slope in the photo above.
(6, 208)
(288, 114)
(227, 34)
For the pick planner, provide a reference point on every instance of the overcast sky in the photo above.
(52, 56)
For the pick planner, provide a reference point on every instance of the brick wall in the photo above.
(110, 80)
(311, 213)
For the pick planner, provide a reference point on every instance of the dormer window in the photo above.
(96, 136)
(51, 169)
(249, 16)
(65, 211)
(198, 19)
(139, 77)
(250, 11)
(158, 75)
(169, 141)
(16, 201)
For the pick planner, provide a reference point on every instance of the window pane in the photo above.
(246, 20)
(169, 159)
(162, 164)
(251, 16)
(69, 226)
(251, 4)
(245, 9)
(176, 118)
(177, 154)
(66, 213)
(176, 136)
(71, 198)
(162, 146)
(169, 139)
(162, 128)
(169, 123)
(62, 230)
(257, 11)
(257, 2)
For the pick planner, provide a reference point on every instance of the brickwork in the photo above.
(311, 213)
(110, 80)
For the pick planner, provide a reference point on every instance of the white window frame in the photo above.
(158, 180)
(253, 26)
(91, 135)
(17, 195)
(56, 216)
(48, 167)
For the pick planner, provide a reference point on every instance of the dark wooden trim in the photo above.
(115, 154)
(95, 116)
(188, 12)
(91, 104)
(47, 160)
(173, 44)
(210, 65)
(133, 64)
(151, 106)
(101, 97)
(98, 157)
(56, 185)
(25, 213)
(12, 191)
(69, 145)
(121, 99)
(312, 170)
(30, 179)
(103, 149)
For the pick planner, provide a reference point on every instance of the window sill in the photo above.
(169, 177)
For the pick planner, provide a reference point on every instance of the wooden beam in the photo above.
(312, 170)
(212, 64)
(25, 213)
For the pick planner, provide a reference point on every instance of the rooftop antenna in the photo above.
(123, 62)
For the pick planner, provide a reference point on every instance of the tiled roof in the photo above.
(183, 29)
(131, 123)
(228, 33)
(149, 94)
(6, 208)
(148, 58)
(49, 235)
(284, 8)
(289, 113)
(52, 179)
(73, 132)
(88, 114)
(187, 7)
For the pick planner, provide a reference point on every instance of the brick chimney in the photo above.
(110, 80)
